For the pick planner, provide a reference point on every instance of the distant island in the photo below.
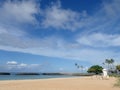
(53, 74)
(4, 73)
(27, 74)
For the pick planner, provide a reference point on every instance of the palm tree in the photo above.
(107, 61)
(110, 63)
(78, 66)
(103, 64)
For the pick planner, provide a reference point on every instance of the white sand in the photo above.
(86, 83)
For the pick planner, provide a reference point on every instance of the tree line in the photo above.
(97, 69)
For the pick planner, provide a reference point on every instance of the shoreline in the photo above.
(46, 78)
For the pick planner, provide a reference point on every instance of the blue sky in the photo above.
(52, 35)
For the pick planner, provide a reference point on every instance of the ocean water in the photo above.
(24, 77)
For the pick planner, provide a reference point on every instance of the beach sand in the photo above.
(82, 83)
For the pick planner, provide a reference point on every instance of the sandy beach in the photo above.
(82, 83)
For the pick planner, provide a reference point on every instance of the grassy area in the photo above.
(117, 84)
(114, 75)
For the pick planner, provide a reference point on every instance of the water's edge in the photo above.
(26, 77)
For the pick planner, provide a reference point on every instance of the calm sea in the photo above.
(23, 77)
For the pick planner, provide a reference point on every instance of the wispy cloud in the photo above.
(100, 40)
(57, 17)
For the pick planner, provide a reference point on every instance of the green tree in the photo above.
(95, 69)
(118, 67)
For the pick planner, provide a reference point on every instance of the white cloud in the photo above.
(12, 63)
(17, 66)
(99, 40)
(14, 13)
(22, 65)
(57, 17)
(103, 19)
(18, 11)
